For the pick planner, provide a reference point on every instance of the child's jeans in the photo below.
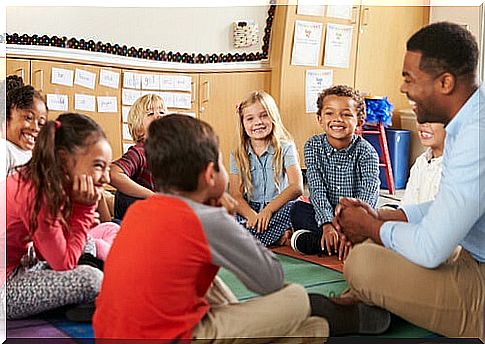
(302, 216)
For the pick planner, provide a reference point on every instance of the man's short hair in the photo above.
(178, 149)
(446, 47)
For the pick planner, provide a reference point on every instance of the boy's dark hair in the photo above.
(446, 47)
(178, 148)
(46, 170)
(343, 91)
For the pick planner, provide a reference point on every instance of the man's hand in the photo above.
(357, 223)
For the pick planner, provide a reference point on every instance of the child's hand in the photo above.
(344, 248)
(252, 221)
(84, 191)
(225, 201)
(263, 220)
(330, 239)
(96, 219)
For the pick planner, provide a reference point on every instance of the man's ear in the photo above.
(447, 83)
(209, 174)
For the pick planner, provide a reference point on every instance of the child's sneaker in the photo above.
(306, 242)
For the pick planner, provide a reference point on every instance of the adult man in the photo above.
(421, 274)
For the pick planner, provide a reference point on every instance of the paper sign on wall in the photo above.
(168, 99)
(126, 132)
(316, 81)
(62, 76)
(309, 8)
(85, 78)
(166, 82)
(338, 44)
(182, 83)
(150, 82)
(124, 113)
(128, 97)
(182, 100)
(306, 44)
(109, 78)
(57, 102)
(131, 80)
(84, 102)
(107, 104)
(339, 11)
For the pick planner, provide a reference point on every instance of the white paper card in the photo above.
(339, 11)
(168, 99)
(124, 113)
(128, 97)
(182, 83)
(316, 81)
(62, 76)
(167, 82)
(84, 102)
(107, 104)
(306, 44)
(57, 102)
(150, 82)
(126, 132)
(109, 78)
(145, 92)
(191, 114)
(338, 44)
(85, 78)
(131, 80)
(182, 100)
(126, 146)
(309, 8)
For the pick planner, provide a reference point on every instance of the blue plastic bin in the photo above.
(398, 145)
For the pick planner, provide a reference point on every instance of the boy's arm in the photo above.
(234, 248)
(122, 182)
(368, 167)
(316, 183)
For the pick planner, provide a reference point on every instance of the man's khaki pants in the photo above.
(284, 313)
(448, 300)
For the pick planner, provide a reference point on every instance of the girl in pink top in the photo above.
(50, 210)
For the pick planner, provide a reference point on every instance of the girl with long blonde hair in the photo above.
(265, 176)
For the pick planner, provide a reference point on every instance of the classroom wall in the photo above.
(187, 29)
(468, 15)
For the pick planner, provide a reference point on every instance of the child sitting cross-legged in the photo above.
(339, 163)
(188, 234)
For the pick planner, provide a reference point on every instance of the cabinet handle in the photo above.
(206, 88)
(365, 16)
(354, 15)
(22, 73)
(41, 72)
(192, 96)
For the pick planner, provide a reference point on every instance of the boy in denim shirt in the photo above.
(339, 163)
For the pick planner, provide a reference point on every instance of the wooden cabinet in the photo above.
(219, 95)
(19, 67)
(376, 57)
(383, 33)
(110, 121)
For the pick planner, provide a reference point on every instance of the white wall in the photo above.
(187, 29)
(469, 15)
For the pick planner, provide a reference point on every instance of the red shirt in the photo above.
(134, 165)
(61, 248)
(155, 283)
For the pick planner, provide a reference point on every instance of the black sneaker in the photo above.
(306, 242)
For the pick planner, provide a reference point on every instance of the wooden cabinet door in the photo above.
(384, 31)
(219, 93)
(19, 67)
(109, 121)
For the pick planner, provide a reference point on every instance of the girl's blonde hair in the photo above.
(278, 135)
(138, 112)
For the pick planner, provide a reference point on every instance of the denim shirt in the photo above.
(457, 215)
(262, 171)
